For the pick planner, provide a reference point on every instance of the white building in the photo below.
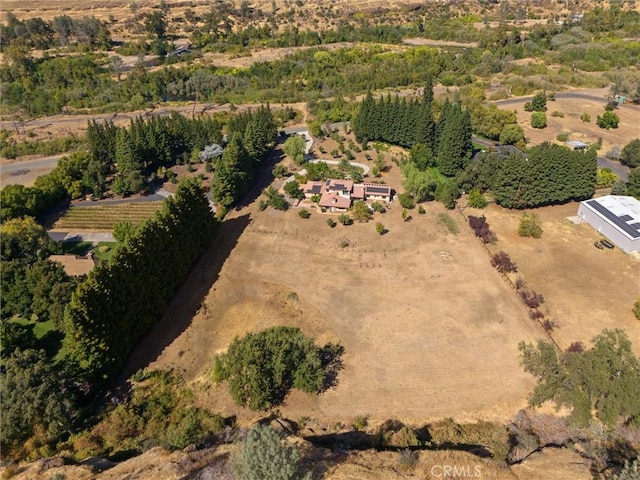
(616, 217)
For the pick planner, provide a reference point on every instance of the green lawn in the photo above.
(103, 251)
(48, 337)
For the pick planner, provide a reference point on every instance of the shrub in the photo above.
(406, 200)
(605, 178)
(562, 137)
(538, 120)
(481, 229)
(405, 215)
(608, 120)
(304, 213)
(530, 226)
(630, 155)
(360, 423)
(576, 347)
(528, 107)
(279, 171)
(448, 222)
(636, 309)
(585, 117)
(265, 455)
(557, 113)
(539, 102)
(379, 228)
(421, 210)
(331, 222)
(345, 219)
(502, 262)
(476, 199)
(343, 242)
(408, 459)
(378, 207)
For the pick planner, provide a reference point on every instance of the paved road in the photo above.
(81, 236)
(616, 167)
(45, 162)
(157, 196)
(569, 95)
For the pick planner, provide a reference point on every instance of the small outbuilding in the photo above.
(577, 145)
(616, 217)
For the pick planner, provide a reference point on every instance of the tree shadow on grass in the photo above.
(183, 306)
(331, 361)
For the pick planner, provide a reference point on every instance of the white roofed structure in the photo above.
(616, 217)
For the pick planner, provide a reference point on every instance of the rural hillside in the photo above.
(319, 240)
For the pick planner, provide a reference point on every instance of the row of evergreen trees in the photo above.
(121, 299)
(136, 152)
(251, 136)
(550, 174)
(410, 123)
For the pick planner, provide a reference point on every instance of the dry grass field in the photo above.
(586, 289)
(430, 329)
(572, 109)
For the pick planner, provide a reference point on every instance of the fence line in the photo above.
(510, 282)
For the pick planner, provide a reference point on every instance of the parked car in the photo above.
(607, 243)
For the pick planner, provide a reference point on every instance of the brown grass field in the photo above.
(429, 327)
(586, 290)
(571, 123)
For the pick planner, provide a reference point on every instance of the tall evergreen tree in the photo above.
(129, 165)
(454, 141)
(425, 126)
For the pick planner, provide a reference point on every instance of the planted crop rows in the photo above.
(105, 217)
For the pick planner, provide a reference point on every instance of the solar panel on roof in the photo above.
(633, 232)
(315, 189)
(635, 225)
(378, 189)
(625, 218)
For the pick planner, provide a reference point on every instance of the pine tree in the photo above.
(454, 142)
(231, 176)
(425, 126)
(128, 164)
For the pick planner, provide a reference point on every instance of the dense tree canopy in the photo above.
(251, 135)
(550, 174)
(261, 368)
(120, 300)
(36, 398)
(604, 379)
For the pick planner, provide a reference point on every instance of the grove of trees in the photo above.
(251, 136)
(549, 174)
(121, 299)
